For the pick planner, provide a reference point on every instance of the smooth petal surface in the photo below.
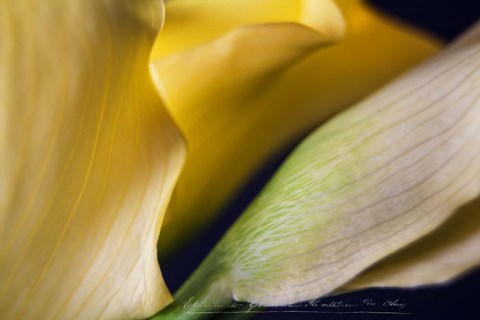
(371, 181)
(89, 159)
(441, 256)
(257, 90)
(193, 22)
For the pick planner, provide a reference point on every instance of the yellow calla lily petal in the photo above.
(371, 181)
(259, 89)
(442, 255)
(192, 22)
(89, 159)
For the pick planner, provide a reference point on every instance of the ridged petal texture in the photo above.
(442, 255)
(89, 159)
(446, 253)
(368, 183)
(259, 88)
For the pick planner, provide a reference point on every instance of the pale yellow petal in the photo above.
(371, 181)
(192, 22)
(89, 159)
(257, 90)
(441, 256)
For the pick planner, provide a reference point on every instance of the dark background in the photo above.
(457, 300)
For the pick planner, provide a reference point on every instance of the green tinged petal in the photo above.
(371, 181)
(255, 91)
(89, 159)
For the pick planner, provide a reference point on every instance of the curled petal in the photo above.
(192, 22)
(371, 181)
(260, 88)
(89, 159)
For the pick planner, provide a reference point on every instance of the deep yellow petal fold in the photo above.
(258, 89)
(193, 22)
(89, 159)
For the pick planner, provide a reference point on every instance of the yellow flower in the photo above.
(247, 96)
(89, 160)
(371, 181)
(91, 156)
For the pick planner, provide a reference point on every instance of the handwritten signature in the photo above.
(368, 305)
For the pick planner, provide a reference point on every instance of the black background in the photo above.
(457, 300)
